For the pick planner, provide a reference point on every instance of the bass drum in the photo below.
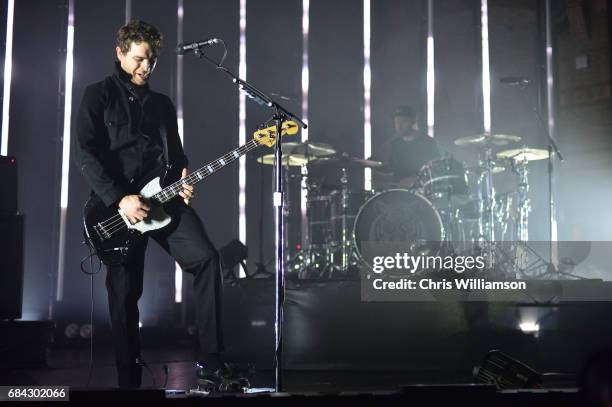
(397, 221)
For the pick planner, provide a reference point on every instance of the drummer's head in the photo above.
(404, 120)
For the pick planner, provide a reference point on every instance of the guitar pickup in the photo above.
(102, 232)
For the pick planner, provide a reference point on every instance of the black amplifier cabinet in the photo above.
(11, 265)
(8, 185)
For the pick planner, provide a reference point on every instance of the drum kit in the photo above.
(451, 208)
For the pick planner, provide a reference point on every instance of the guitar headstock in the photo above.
(267, 136)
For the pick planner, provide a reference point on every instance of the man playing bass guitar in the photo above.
(124, 130)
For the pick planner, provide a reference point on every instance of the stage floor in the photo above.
(70, 367)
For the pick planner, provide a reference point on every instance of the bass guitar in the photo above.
(109, 232)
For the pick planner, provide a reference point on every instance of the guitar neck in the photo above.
(171, 191)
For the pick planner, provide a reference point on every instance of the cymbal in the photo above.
(524, 154)
(308, 149)
(292, 160)
(484, 139)
(344, 160)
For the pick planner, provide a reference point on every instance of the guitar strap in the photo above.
(164, 136)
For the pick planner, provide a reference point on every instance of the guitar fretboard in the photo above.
(173, 190)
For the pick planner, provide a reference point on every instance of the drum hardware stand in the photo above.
(486, 207)
(304, 257)
(502, 214)
(524, 205)
(286, 216)
(305, 260)
(521, 248)
(344, 241)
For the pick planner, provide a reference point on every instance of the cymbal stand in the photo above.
(524, 203)
(344, 241)
(339, 240)
(486, 192)
(522, 252)
(304, 216)
(502, 214)
(287, 213)
(306, 259)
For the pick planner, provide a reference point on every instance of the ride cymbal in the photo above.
(487, 139)
(524, 154)
(308, 149)
(344, 161)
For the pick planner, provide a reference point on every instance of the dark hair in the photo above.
(139, 31)
(405, 111)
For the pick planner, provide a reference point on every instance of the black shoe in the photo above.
(224, 379)
(129, 375)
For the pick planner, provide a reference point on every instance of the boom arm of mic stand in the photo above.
(261, 98)
(251, 91)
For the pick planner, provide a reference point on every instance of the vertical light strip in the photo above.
(8, 70)
(431, 90)
(178, 272)
(486, 78)
(128, 10)
(367, 83)
(305, 72)
(305, 87)
(65, 150)
(242, 73)
(550, 86)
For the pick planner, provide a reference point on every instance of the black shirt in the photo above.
(150, 142)
(406, 158)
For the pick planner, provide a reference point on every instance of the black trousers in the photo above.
(185, 239)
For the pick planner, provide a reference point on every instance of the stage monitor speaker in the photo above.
(8, 185)
(11, 266)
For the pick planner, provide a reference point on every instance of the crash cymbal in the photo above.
(292, 160)
(484, 139)
(524, 154)
(344, 161)
(308, 149)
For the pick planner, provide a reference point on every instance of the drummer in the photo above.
(405, 153)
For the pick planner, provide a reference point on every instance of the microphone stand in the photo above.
(553, 150)
(280, 114)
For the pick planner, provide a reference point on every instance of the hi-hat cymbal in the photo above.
(524, 154)
(345, 161)
(308, 149)
(484, 139)
(292, 160)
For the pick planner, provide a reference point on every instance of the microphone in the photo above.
(515, 81)
(190, 46)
